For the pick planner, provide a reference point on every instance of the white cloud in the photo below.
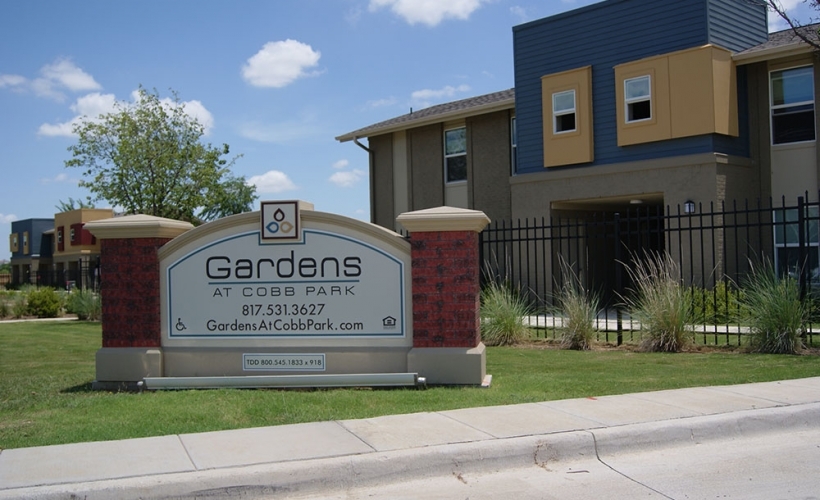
(347, 179)
(519, 12)
(423, 98)
(7, 218)
(378, 103)
(60, 178)
(12, 81)
(341, 164)
(272, 181)
(777, 23)
(279, 64)
(91, 106)
(64, 73)
(429, 12)
(277, 133)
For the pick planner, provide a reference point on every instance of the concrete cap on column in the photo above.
(444, 219)
(137, 226)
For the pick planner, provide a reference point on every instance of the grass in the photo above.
(46, 371)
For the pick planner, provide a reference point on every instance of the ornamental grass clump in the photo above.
(504, 314)
(772, 307)
(578, 308)
(658, 301)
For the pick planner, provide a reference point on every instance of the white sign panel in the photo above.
(325, 285)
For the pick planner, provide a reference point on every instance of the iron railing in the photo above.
(715, 247)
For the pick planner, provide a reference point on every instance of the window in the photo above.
(25, 243)
(563, 111)
(513, 146)
(787, 242)
(638, 99)
(72, 236)
(15, 245)
(455, 155)
(792, 104)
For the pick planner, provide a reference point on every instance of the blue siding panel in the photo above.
(613, 32)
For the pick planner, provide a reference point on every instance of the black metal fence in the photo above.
(714, 247)
(83, 274)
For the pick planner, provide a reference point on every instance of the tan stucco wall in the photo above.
(381, 180)
(426, 147)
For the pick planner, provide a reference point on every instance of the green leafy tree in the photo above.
(148, 158)
(72, 204)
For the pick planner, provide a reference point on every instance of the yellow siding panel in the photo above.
(568, 148)
(658, 127)
(692, 92)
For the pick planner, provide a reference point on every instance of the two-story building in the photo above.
(30, 246)
(616, 105)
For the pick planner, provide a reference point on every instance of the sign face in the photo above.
(317, 284)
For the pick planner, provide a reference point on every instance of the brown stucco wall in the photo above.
(381, 180)
(490, 163)
(426, 147)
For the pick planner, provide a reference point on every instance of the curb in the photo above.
(372, 469)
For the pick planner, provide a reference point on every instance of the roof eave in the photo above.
(427, 120)
(792, 49)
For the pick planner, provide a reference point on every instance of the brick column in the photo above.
(130, 290)
(447, 346)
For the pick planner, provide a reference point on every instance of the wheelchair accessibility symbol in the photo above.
(180, 326)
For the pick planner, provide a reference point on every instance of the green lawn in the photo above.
(46, 371)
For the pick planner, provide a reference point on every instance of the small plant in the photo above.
(19, 307)
(717, 306)
(85, 304)
(772, 308)
(504, 312)
(659, 302)
(44, 303)
(5, 310)
(578, 308)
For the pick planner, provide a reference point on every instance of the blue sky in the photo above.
(276, 80)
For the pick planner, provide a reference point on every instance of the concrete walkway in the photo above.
(336, 459)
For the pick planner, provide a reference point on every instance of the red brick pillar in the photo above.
(130, 291)
(447, 346)
(445, 289)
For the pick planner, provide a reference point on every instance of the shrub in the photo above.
(658, 301)
(5, 310)
(85, 304)
(578, 308)
(504, 312)
(44, 303)
(19, 307)
(772, 308)
(717, 306)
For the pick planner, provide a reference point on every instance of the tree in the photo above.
(809, 35)
(147, 158)
(72, 204)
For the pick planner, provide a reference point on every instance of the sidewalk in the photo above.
(331, 457)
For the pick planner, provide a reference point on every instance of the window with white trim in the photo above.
(638, 98)
(455, 155)
(787, 243)
(792, 105)
(563, 111)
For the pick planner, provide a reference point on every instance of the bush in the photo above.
(718, 306)
(772, 308)
(44, 303)
(85, 304)
(578, 308)
(5, 310)
(504, 313)
(19, 307)
(659, 302)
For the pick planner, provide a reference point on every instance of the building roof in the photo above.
(471, 106)
(780, 44)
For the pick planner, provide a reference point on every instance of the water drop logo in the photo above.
(280, 220)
